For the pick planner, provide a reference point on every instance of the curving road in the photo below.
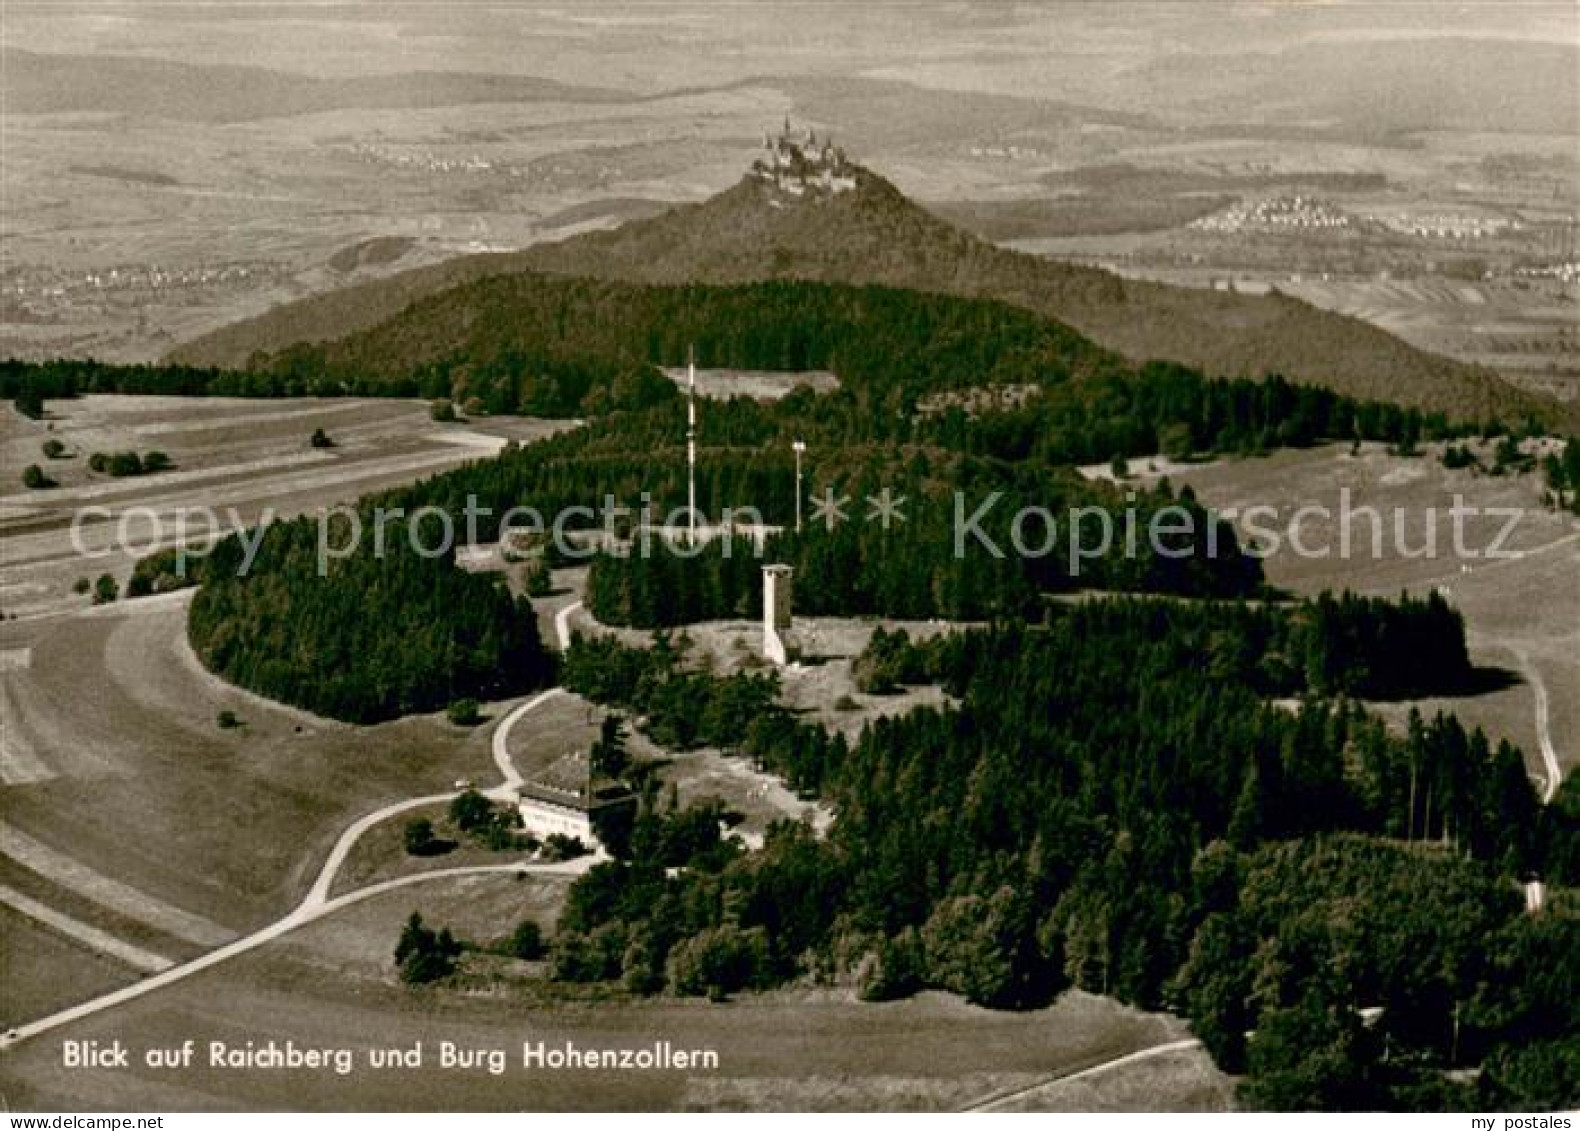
(507, 768)
(317, 903)
(562, 624)
(1531, 674)
(1544, 734)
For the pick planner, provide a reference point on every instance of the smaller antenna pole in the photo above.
(691, 440)
(798, 447)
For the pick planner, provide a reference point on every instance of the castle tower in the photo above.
(776, 612)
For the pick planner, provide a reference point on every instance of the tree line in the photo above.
(373, 638)
(941, 560)
(1176, 411)
(555, 346)
(1329, 646)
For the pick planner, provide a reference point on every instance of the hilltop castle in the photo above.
(797, 163)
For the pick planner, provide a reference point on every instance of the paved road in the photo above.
(317, 903)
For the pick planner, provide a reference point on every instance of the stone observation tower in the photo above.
(776, 612)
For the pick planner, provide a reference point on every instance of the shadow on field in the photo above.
(1484, 681)
(1479, 681)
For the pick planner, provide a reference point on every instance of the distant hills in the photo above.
(38, 83)
(1375, 87)
(874, 234)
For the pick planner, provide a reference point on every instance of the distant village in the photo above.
(1281, 212)
(797, 163)
(1308, 213)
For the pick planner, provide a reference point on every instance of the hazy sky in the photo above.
(1062, 49)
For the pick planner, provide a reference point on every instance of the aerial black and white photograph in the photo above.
(739, 556)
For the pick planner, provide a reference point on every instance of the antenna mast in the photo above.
(691, 440)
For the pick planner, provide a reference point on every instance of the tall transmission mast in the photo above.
(691, 440)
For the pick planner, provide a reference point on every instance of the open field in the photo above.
(356, 944)
(759, 384)
(332, 983)
(44, 971)
(1188, 1077)
(1525, 328)
(117, 779)
(1522, 613)
(244, 460)
(380, 853)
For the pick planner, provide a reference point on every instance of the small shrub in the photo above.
(105, 589)
(423, 955)
(718, 961)
(320, 439)
(53, 449)
(471, 811)
(526, 941)
(227, 720)
(1507, 456)
(421, 840)
(1176, 441)
(895, 969)
(558, 847)
(443, 411)
(540, 580)
(464, 713)
(124, 464)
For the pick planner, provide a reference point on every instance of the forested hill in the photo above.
(530, 343)
(876, 235)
